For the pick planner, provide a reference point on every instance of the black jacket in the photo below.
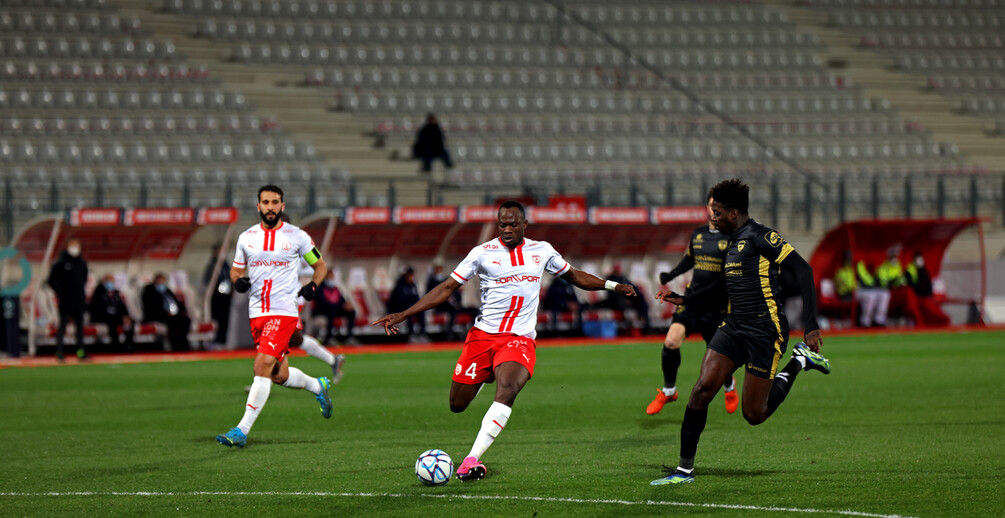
(107, 305)
(67, 278)
(157, 305)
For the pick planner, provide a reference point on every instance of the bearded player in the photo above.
(266, 263)
(500, 347)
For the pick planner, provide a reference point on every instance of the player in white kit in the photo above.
(500, 347)
(266, 262)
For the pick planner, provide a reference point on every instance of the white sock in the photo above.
(257, 397)
(493, 423)
(314, 349)
(669, 391)
(731, 386)
(802, 361)
(299, 380)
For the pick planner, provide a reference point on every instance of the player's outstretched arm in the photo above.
(588, 281)
(438, 295)
(804, 275)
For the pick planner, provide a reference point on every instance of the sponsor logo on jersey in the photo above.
(700, 238)
(518, 278)
(490, 246)
(269, 264)
(753, 367)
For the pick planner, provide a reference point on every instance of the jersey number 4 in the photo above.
(471, 370)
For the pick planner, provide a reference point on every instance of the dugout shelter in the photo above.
(123, 237)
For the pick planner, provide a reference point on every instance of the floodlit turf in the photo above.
(906, 425)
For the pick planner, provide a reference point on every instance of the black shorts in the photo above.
(695, 321)
(758, 344)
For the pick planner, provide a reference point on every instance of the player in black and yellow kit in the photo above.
(755, 332)
(700, 310)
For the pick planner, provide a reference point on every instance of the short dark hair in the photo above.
(732, 194)
(270, 188)
(513, 204)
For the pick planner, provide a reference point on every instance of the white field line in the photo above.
(457, 497)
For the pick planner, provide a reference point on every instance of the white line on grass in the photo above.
(459, 497)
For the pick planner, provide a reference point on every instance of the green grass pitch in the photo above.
(910, 425)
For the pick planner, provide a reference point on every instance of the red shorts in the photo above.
(272, 334)
(484, 351)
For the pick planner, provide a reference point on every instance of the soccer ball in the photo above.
(434, 467)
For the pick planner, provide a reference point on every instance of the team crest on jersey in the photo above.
(723, 244)
(740, 245)
(457, 370)
(537, 259)
(773, 238)
(286, 247)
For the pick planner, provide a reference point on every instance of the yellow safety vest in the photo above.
(867, 279)
(890, 274)
(844, 281)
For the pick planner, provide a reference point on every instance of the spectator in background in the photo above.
(620, 302)
(67, 278)
(430, 145)
(871, 297)
(403, 296)
(107, 307)
(561, 298)
(331, 304)
(845, 281)
(918, 277)
(160, 304)
(223, 291)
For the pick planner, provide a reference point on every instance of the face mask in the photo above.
(73, 251)
(330, 283)
(109, 286)
(161, 287)
(920, 262)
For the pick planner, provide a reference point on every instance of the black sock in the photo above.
(690, 432)
(670, 359)
(783, 382)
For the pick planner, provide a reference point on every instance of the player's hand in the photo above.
(626, 289)
(307, 292)
(814, 340)
(242, 285)
(669, 296)
(665, 277)
(390, 323)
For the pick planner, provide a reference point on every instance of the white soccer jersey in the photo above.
(510, 283)
(272, 260)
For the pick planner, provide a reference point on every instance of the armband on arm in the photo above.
(313, 256)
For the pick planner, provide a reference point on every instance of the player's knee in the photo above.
(755, 417)
(458, 407)
(671, 343)
(280, 379)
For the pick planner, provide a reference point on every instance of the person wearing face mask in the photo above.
(160, 304)
(331, 304)
(107, 307)
(67, 278)
(919, 304)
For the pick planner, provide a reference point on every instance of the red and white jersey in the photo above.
(272, 259)
(510, 283)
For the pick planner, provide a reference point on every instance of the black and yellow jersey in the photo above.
(706, 253)
(752, 271)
